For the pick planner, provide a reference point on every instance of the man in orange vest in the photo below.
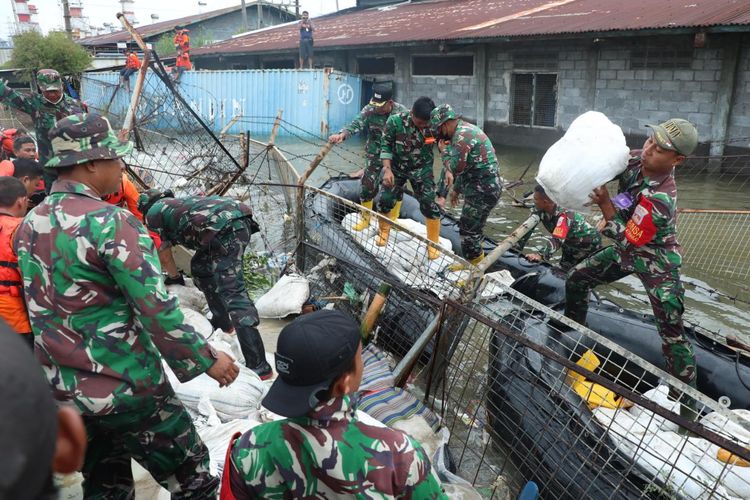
(132, 64)
(183, 64)
(12, 210)
(127, 197)
(181, 39)
(23, 147)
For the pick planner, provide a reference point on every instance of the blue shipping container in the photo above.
(316, 101)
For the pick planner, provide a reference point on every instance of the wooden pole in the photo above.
(129, 122)
(301, 203)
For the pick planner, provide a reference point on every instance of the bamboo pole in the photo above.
(129, 122)
(301, 203)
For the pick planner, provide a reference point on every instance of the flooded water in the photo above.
(708, 310)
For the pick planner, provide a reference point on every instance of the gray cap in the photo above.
(677, 135)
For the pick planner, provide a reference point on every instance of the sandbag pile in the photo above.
(688, 465)
(285, 297)
(591, 153)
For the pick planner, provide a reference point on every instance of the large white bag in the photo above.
(591, 153)
(285, 298)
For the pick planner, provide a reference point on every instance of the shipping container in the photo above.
(317, 101)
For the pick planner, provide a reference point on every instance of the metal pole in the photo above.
(296, 8)
(244, 17)
(66, 16)
(260, 14)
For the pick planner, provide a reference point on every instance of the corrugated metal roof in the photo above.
(457, 19)
(162, 27)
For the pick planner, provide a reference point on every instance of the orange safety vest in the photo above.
(183, 61)
(10, 278)
(127, 197)
(133, 62)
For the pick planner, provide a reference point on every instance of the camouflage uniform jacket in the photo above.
(369, 119)
(329, 454)
(569, 230)
(470, 157)
(195, 220)
(98, 306)
(404, 144)
(645, 232)
(43, 113)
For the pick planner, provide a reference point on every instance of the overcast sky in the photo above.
(101, 11)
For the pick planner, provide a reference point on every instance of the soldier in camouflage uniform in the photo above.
(570, 232)
(641, 220)
(323, 449)
(102, 320)
(219, 230)
(470, 166)
(45, 108)
(407, 156)
(373, 118)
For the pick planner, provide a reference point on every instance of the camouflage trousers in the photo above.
(217, 272)
(665, 292)
(160, 436)
(571, 255)
(370, 182)
(477, 207)
(422, 182)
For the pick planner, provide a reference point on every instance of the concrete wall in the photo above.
(739, 117)
(591, 75)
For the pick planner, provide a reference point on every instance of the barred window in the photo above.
(534, 99)
(657, 58)
(376, 65)
(454, 65)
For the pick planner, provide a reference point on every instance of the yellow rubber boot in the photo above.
(395, 211)
(364, 217)
(384, 228)
(461, 267)
(433, 234)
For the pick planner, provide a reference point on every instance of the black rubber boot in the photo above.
(253, 351)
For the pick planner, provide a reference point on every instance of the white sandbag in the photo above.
(198, 321)
(188, 295)
(241, 399)
(591, 153)
(285, 298)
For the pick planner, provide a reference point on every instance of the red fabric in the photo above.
(7, 168)
(7, 136)
(641, 229)
(225, 493)
(561, 228)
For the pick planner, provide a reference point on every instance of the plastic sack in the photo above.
(197, 321)
(591, 153)
(285, 298)
(188, 295)
(240, 400)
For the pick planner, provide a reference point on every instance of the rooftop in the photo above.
(155, 29)
(446, 20)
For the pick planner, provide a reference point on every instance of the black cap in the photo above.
(311, 352)
(29, 420)
(381, 93)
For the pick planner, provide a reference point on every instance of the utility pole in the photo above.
(296, 8)
(244, 17)
(66, 16)
(260, 14)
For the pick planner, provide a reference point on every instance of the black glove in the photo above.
(177, 280)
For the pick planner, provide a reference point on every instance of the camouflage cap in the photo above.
(440, 115)
(48, 79)
(147, 199)
(677, 135)
(82, 138)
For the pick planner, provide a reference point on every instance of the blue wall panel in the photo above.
(315, 101)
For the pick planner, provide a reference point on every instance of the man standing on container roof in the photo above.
(103, 322)
(641, 220)
(305, 40)
(45, 108)
(372, 117)
(407, 156)
(470, 167)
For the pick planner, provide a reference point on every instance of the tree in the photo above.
(32, 52)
